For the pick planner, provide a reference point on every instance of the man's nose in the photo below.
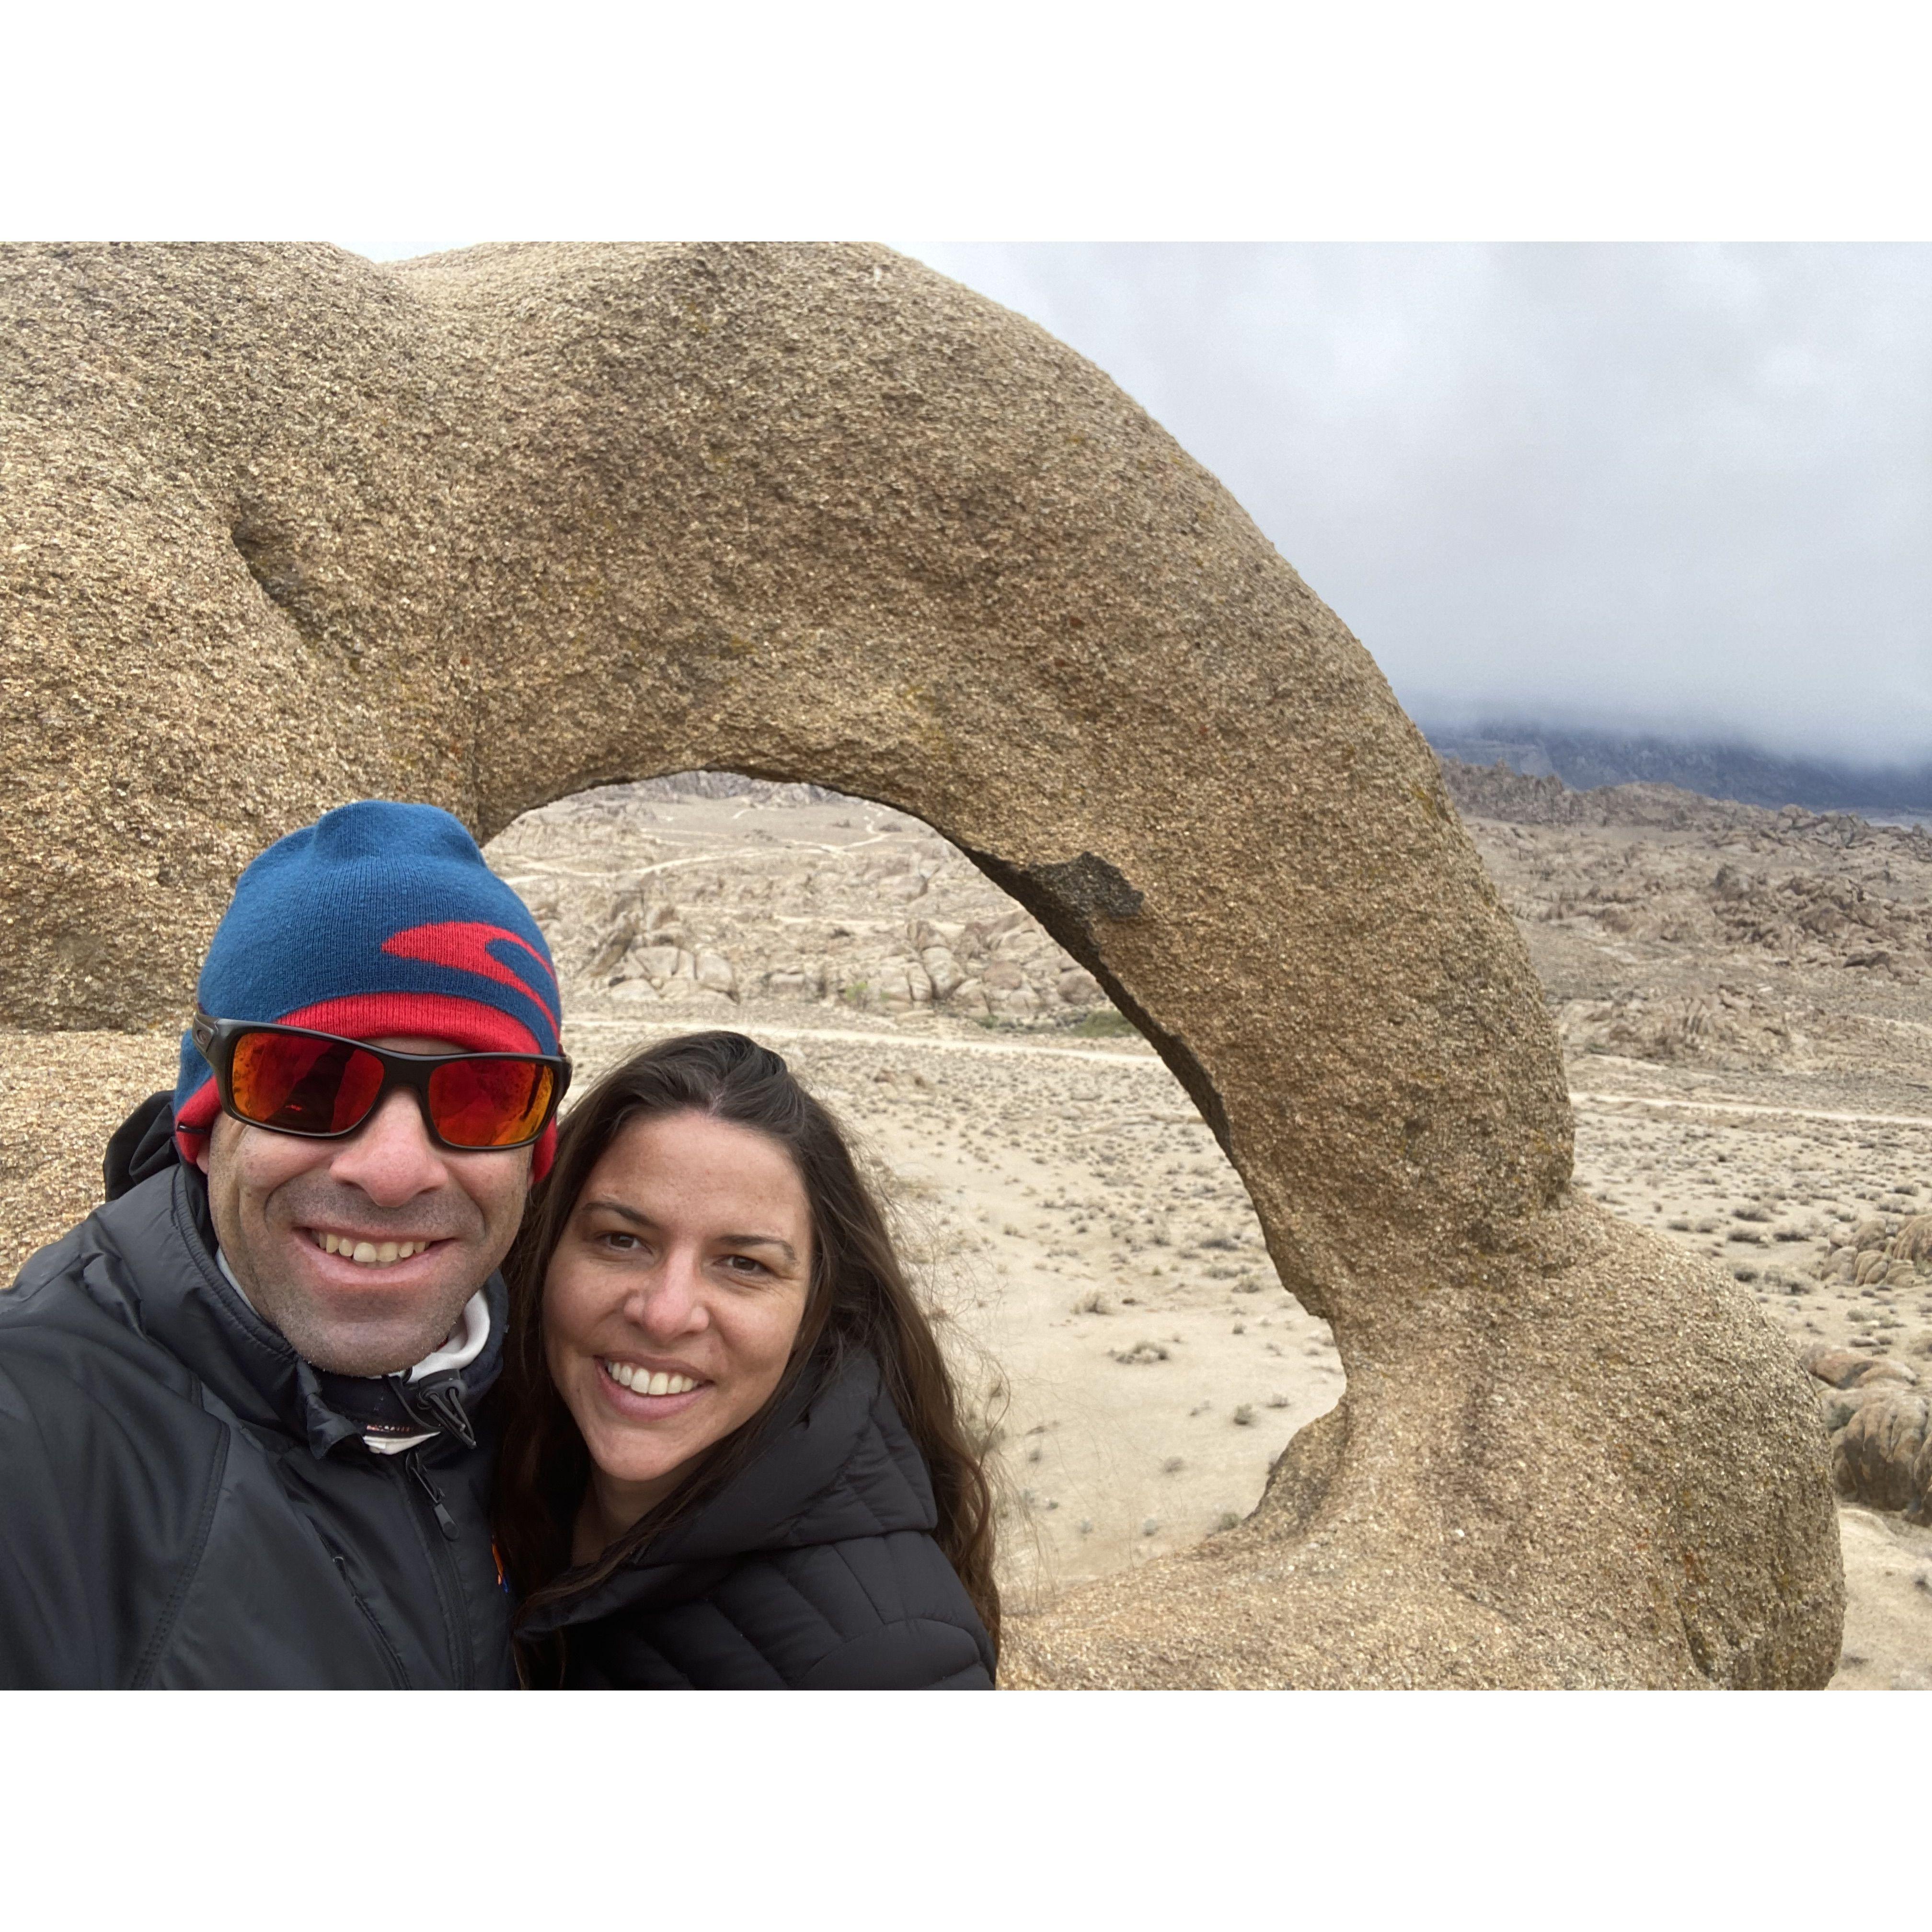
(391, 1158)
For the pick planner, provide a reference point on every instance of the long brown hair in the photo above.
(858, 1298)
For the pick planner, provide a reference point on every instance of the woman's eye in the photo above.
(746, 1264)
(619, 1239)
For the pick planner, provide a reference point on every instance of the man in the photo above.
(238, 1404)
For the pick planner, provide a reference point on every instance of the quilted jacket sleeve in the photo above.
(915, 1654)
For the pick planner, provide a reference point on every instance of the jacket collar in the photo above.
(176, 1294)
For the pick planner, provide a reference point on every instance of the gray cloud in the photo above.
(1673, 487)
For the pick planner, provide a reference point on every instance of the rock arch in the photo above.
(282, 527)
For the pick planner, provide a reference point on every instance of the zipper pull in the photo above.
(437, 1404)
(445, 1521)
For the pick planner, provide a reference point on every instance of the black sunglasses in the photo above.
(323, 1087)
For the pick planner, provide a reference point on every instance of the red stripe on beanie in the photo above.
(465, 944)
(467, 1024)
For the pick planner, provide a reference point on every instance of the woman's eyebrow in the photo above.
(607, 1206)
(785, 1248)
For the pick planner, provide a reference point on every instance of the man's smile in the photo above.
(365, 1250)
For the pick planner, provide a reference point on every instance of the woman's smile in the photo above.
(647, 1395)
(638, 1380)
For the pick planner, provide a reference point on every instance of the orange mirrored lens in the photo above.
(482, 1103)
(302, 1086)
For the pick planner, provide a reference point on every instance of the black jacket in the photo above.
(184, 1503)
(814, 1570)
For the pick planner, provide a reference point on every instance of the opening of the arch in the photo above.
(1121, 1333)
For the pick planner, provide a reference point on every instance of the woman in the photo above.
(733, 1457)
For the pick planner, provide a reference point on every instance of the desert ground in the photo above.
(1744, 1000)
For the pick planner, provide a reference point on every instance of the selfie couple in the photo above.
(371, 1372)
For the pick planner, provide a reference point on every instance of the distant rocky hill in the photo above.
(719, 784)
(1669, 927)
(1496, 791)
(707, 891)
(1585, 761)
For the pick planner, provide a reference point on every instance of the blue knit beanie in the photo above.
(379, 919)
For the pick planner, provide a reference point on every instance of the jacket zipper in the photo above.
(445, 1521)
(442, 1568)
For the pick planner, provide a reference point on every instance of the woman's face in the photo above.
(672, 1302)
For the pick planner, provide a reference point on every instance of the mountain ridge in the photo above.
(1586, 759)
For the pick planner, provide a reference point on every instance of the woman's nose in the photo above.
(671, 1302)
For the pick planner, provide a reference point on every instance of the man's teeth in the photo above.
(643, 1382)
(371, 1254)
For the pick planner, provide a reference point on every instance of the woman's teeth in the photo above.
(371, 1254)
(642, 1381)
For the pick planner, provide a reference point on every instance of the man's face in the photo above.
(280, 1203)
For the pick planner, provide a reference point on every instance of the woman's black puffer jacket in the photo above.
(814, 1569)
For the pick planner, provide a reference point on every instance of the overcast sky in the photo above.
(1680, 488)
(1675, 487)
